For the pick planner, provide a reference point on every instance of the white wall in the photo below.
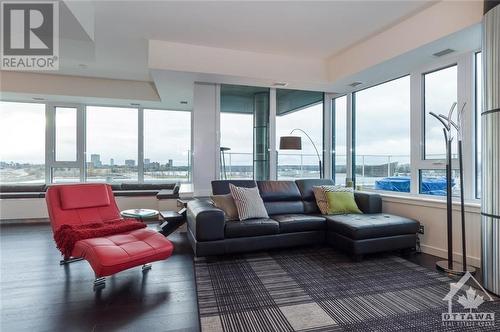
(432, 214)
(435, 22)
(205, 137)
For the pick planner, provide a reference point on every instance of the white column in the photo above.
(327, 135)
(206, 145)
(273, 174)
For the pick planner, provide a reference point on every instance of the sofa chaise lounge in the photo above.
(294, 219)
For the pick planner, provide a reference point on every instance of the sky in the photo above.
(382, 127)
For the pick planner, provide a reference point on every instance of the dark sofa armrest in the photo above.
(205, 221)
(368, 202)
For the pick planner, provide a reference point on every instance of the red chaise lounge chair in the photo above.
(83, 204)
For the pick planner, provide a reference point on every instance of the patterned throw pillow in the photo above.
(320, 196)
(341, 201)
(248, 202)
(226, 204)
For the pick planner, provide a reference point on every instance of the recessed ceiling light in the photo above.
(355, 84)
(280, 84)
(38, 98)
(184, 102)
(135, 104)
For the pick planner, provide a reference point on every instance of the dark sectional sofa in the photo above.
(294, 219)
(160, 190)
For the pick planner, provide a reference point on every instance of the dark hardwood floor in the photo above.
(37, 294)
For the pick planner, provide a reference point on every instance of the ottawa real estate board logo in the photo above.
(470, 300)
(30, 35)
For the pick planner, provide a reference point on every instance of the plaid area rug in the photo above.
(319, 289)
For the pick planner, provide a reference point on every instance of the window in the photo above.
(440, 92)
(65, 136)
(339, 153)
(433, 182)
(479, 108)
(65, 174)
(244, 126)
(112, 144)
(382, 136)
(167, 145)
(22, 143)
(299, 113)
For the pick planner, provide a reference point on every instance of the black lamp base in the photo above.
(456, 268)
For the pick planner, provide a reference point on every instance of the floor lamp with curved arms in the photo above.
(295, 143)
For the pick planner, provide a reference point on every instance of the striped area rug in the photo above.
(318, 289)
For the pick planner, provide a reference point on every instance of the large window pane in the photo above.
(299, 113)
(479, 108)
(339, 140)
(112, 144)
(22, 143)
(65, 134)
(244, 124)
(433, 182)
(440, 93)
(382, 136)
(65, 175)
(167, 145)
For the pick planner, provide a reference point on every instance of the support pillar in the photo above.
(490, 119)
(260, 136)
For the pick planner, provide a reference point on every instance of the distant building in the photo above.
(111, 162)
(147, 161)
(170, 163)
(130, 162)
(95, 159)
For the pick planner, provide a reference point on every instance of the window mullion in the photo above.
(140, 147)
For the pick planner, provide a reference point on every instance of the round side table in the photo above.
(139, 214)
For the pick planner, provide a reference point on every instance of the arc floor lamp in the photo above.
(295, 143)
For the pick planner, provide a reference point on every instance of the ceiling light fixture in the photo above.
(184, 102)
(38, 98)
(135, 104)
(280, 84)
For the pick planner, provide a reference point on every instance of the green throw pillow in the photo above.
(341, 202)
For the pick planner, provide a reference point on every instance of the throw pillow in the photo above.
(248, 202)
(320, 196)
(341, 201)
(226, 204)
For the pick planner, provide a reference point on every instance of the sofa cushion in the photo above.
(84, 196)
(221, 187)
(368, 226)
(306, 191)
(251, 227)
(278, 191)
(290, 223)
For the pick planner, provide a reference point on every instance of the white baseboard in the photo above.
(457, 256)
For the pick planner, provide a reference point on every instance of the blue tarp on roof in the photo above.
(429, 186)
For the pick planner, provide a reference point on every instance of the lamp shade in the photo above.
(290, 143)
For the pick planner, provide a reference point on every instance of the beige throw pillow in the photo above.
(226, 204)
(248, 202)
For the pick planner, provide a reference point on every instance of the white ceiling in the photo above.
(295, 28)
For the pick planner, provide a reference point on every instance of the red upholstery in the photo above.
(110, 254)
(79, 197)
